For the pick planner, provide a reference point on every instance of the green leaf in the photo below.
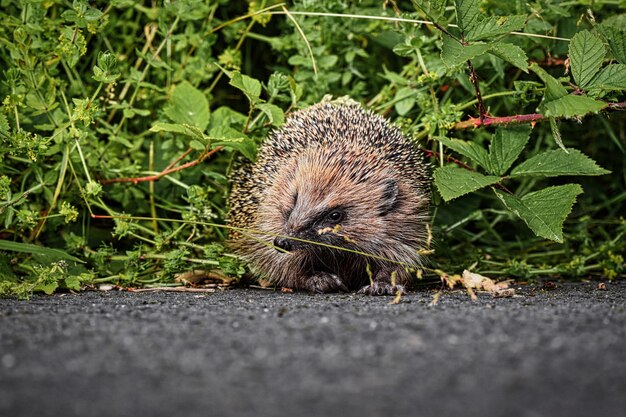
(556, 133)
(510, 53)
(454, 54)
(544, 211)
(184, 129)
(506, 146)
(616, 37)
(234, 140)
(432, 9)
(248, 85)
(72, 282)
(8, 245)
(472, 150)
(404, 100)
(494, 26)
(274, 113)
(4, 124)
(467, 14)
(558, 162)
(47, 287)
(571, 106)
(611, 77)
(554, 89)
(586, 53)
(453, 182)
(189, 106)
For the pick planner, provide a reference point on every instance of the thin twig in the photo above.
(518, 118)
(479, 99)
(306, 41)
(165, 172)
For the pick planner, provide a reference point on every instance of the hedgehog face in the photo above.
(320, 198)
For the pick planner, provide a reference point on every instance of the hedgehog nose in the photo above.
(283, 243)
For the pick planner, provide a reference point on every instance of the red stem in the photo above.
(167, 171)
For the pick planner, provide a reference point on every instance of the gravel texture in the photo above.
(261, 353)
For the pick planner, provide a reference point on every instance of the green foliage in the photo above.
(120, 123)
(544, 211)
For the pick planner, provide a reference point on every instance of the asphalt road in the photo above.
(260, 353)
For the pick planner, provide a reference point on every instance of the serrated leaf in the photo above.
(554, 89)
(233, 139)
(432, 9)
(274, 113)
(189, 106)
(493, 26)
(472, 150)
(616, 37)
(4, 124)
(248, 85)
(557, 162)
(571, 106)
(454, 54)
(184, 129)
(506, 146)
(544, 211)
(8, 245)
(586, 53)
(453, 182)
(467, 14)
(510, 53)
(611, 77)
(556, 133)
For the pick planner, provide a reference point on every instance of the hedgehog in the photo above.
(338, 200)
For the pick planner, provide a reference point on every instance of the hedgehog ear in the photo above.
(389, 197)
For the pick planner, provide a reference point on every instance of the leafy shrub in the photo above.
(120, 123)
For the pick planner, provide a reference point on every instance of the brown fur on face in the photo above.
(339, 176)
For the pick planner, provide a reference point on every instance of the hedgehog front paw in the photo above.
(323, 282)
(382, 288)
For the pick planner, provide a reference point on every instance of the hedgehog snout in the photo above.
(284, 243)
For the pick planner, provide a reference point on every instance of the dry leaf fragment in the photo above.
(473, 281)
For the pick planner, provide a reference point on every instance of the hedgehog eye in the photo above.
(335, 216)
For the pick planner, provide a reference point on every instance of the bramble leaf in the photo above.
(616, 37)
(506, 146)
(544, 211)
(494, 26)
(188, 105)
(454, 54)
(554, 89)
(611, 77)
(571, 106)
(511, 53)
(467, 14)
(472, 150)
(586, 53)
(558, 162)
(432, 9)
(453, 182)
